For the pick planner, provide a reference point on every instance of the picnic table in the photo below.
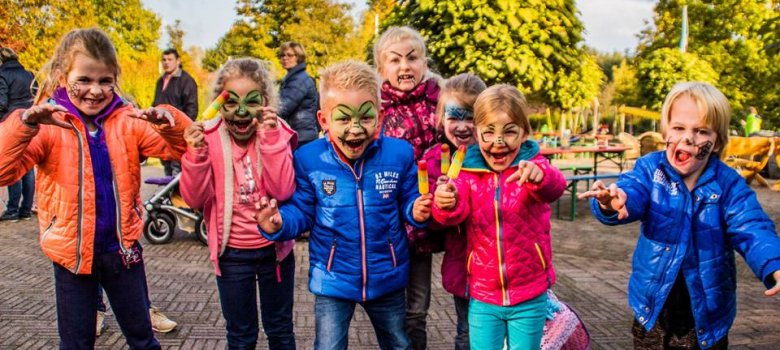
(613, 154)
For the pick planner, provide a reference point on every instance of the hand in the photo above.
(610, 199)
(441, 180)
(422, 207)
(776, 289)
(269, 120)
(526, 171)
(446, 196)
(268, 217)
(156, 116)
(194, 135)
(44, 114)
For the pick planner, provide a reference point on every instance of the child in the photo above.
(456, 127)
(510, 256)
(354, 189)
(693, 209)
(409, 97)
(87, 144)
(231, 162)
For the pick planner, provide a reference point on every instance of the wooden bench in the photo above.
(572, 182)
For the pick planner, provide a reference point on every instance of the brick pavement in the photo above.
(592, 262)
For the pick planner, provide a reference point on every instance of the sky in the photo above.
(610, 25)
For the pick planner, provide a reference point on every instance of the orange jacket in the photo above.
(65, 183)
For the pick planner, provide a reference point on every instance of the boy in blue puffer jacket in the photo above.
(695, 211)
(355, 189)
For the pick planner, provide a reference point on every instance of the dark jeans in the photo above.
(76, 307)
(418, 299)
(244, 271)
(171, 167)
(462, 310)
(101, 306)
(333, 315)
(21, 191)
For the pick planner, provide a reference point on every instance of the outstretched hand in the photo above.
(422, 207)
(446, 196)
(610, 198)
(44, 114)
(526, 171)
(267, 216)
(156, 116)
(776, 289)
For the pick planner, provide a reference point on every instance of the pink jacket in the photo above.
(207, 181)
(508, 228)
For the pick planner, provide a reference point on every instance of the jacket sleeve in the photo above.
(410, 192)
(553, 183)
(750, 230)
(165, 141)
(190, 98)
(290, 98)
(278, 169)
(197, 178)
(19, 147)
(637, 186)
(298, 213)
(461, 210)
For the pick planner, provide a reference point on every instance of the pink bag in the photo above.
(563, 330)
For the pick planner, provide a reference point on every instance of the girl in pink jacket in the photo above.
(231, 162)
(503, 194)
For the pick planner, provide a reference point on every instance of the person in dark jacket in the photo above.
(176, 88)
(16, 91)
(298, 100)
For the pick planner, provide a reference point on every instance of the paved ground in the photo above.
(592, 261)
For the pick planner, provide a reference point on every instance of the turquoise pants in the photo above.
(521, 325)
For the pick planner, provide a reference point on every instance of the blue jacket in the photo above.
(694, 233)
(357, 245)
(299, 103)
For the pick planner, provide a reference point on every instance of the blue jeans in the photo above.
(244, 271)
(387, 314)
(418, 299)
(76, 307)
(521, 325)
(462, 310)
(21, 191)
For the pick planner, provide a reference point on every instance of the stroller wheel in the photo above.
(159, 228)
(202, 231)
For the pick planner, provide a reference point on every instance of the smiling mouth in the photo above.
(354, 144)
(499, 157)
(682, 157)
(463, 138)
(406, 77)
(93, 102)
(241, 126)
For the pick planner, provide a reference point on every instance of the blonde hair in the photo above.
(349, 75)
(91, 42)
(715, 105)
(393, 35)
(300, 52)
(502, 98)
(247, 67)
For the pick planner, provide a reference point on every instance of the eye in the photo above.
(394, 60)
(253, 104)
(703, 132)
(677, 128)
(231, 103)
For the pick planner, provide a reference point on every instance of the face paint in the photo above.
(353, 127)
(89, 84)
(458, 124)
(243, 108)
(250, 105)
(457, 112)
(704, 150)
(499, 140)
(402, 65)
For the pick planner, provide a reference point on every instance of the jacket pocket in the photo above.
(330, 256)
(468, 262)
(392, 251)
(48, 228)
(541, 256)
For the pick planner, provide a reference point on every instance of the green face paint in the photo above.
(249, 106)
(354, 127)
(364, 116)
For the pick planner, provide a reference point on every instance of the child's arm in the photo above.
(545, 182)
(19, 146)
(626, 200)
(197, 179)
(444, 211)
(751, 232)
(276, 154)
(297, 215)
(163, 140)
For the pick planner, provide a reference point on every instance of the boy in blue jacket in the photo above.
(695, 211)
(355, 188)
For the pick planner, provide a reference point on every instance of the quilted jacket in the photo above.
(508, 227)
(65, 185)
(694, 233)
(357, 245)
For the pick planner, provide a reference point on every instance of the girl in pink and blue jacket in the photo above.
(503, 194)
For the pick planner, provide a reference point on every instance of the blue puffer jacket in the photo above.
(695, 233)
(299, 103)
(357, 246)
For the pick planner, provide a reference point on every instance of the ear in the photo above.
(323, 120)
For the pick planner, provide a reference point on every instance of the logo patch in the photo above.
(386, 183)
(329, 187)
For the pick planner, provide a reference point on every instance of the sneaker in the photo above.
(9, 217)
(100, 326)
(160, 322)
(27, 216)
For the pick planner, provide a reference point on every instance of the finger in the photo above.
(622, 213)
(273, 203)
(772, 292)
(613, 190)
(536, 176)
(588, 194)
(524, 176)
(263, 202)
(597, 185)
(55, 108)
(169, 118)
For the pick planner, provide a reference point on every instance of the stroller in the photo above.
(167, 211)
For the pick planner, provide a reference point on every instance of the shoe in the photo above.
(100, 326)
(27, 216)
(160, 322)
(9, 217)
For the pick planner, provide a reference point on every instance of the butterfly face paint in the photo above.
(243, 108)
(689, 140)
(499, 140)
(353, 127)
(458, 124)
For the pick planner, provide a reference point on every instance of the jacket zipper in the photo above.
(117, 205)
(499, 243)
(330, 257)
(80, 225)
(541, 256)
(468, 262)
(392, 251)
(48, 228)
(362, 222)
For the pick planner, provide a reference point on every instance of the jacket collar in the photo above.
(295, 70)
(372, 148)
(176, 74)
(60, 97)
(11, 64)
(474, 160)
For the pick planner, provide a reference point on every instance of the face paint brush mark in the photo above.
(704, 150)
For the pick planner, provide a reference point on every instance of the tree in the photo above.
(534, 45)
(663, 68)
(626, 85)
